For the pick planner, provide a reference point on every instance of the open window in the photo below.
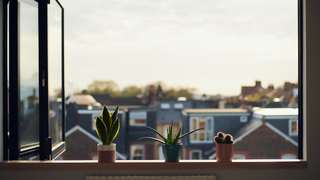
(35, 123)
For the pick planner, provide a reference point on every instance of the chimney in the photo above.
(152, 98)
(287, 86)
(270, 87)
(258, 83)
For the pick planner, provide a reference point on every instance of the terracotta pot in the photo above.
(172, 152)
(224, 152)
(106, 153)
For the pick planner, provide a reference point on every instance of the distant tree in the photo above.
(130, 91)
(185, 92)
(103, 87)
(159, 92)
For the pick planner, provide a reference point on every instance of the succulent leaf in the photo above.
(106, 128)
(177, 137)
(114, 115)
(186, 134)
(101, 130)
(165, 139)
(114, 131)
(106, 117)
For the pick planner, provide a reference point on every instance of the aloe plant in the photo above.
(107, 125)
(170, 139)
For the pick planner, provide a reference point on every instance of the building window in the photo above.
(288, 156)
(243, 119)
(205, 135)
(178, 106)
(195, 154)
(165, 106)
(239, 156)
(293, 127)
(136, 152)
(138, 118)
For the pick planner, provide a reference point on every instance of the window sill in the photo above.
(153, 164)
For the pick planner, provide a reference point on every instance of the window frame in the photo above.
(195, 151)
(44, 147)
(205, 131)
(290, 127)
(248, 166)
(131, 120)
(137, 146)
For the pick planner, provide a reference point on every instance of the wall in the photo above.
(311, 96)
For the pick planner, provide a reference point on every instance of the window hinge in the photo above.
(49, 148)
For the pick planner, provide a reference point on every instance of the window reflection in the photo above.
(55, 73)
(29, 83)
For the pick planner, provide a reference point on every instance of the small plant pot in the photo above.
(172, 152)
(106, 153)
(224, 152)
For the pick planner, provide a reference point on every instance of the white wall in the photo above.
(312, 98)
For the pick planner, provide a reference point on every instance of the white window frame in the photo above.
(137, 146)
(205, 130)
(277, 173)
(290, 127)
(195, 151)
(142, 114)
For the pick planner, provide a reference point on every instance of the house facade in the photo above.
(200, 145)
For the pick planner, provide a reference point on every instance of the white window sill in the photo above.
(153, 164)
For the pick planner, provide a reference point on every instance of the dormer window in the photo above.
(165, 106)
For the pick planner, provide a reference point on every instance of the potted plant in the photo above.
(107, 127)
(171, 146)
(224, 147)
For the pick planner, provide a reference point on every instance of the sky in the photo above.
(213, 46)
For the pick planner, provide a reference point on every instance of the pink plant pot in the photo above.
(106, 153)
(224, 152)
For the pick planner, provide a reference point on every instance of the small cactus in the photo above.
(223, 138)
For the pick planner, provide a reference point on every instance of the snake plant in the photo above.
(107, 125)
(170, 139)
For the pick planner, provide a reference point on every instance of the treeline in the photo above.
(159, 88)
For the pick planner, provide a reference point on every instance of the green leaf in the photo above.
(114, 131)
(177, 137)
(101, 130)
(165, 139)
(106, 117)
(115, 114)
(190, 132)
(152, 138)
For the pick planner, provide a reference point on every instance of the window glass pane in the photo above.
(194, 137)
(209, 136)
(294, 127)
(194, 124)
(55, 71)
(209, 124)
(202, 136)
(218, 47)
(202, 123)
(29, 83)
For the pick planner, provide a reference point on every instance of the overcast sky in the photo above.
(212, 45)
